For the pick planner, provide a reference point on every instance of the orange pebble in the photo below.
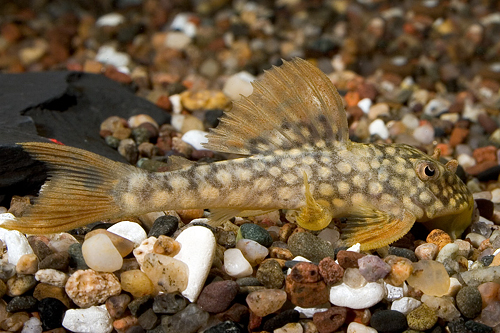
(438, 237)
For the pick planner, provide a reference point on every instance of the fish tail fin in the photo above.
(79, 189)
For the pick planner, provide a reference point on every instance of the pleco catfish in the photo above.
(293, 133)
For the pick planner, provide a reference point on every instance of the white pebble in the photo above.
(466, 161)
(175, 100)
(252, 251)
(355, 248)
(95, 319)
(410, 121)
(144, 248)
(436, 106)
(197, 252)
(393, 293)
(100, 254)
(183, 23)
(365, 104)
(235, 264)
(450, 250)
(129, 230)
(17, 246)
(309, 312)
(4, 217)
(108, 55)
(110, 20)
(495, 195)
(355, 327)
(378, 127)
(475, 239)
(177, 121)
(360, 298)
(52, 277)
(32, 325)
(455, 286)
(196, 138)
(424, 134)
(177, 40)
(238, 84)
(405, 305)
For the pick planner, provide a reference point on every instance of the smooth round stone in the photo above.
(217, 296)
(355, 327)
(123, 245)
(353, 278)
(27, 264)
(448, 251)
(422, 318)
(76, 257)
(235, 264)
(469, 301)
(424, 134)
(17, 246)
(164, 225)
(280, 320)
(360, 298)
(190, 319)
(402, 252)
(52, 277)
(19, 284)
(22, 303)
(489, 292)
(51, 312)
(405, 305)
(491, 314)
(265, 302)
(378, 127)
(101, 255)
(256, 233)
(95, 319)
(252, 251)
(373, 268)
(166, 273)
(197, 252)
(136, 283)
(427, 251)
(167, 246)
(307, 245)
(129, 230)
(388, 321)
(430, 277)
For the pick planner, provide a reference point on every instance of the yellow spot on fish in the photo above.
(290, 178)
(400, 168)
(324, 172)
(262, 184)
(386, 162)
(357, 199)
(209, 192)
(179, 182)
(375, 164)
(244, 174)
(326, 159)
(137, 181)
(275, 171)
(343, 188)
(358, 181)
(344, 167)
(383, 176)
(285, 193)
(223, 176)
(375, 188)
(326, 189)
(308, 160)
(363, 166)
(259, 166)
(390, 150)
(338, 202)
(294, 152)
(321, 144)
(130, 200)
(161, 196)
(395, 182)
(288, 163)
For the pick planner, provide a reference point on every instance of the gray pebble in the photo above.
(469, 302)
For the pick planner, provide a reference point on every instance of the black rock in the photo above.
(65, 106)
(51, 313)
(41, 249)
(148, 319)
(164, 225)
(136, 329)
(485, 207)
(489, 174)
(281, 319)
(388, 321)
(469, 301)
(402, 252)
(212, 117)
(487, 260)
(76, 259)
(59, 261)
(169, 303)
(22, 303)
(140, 305)
(7, 270)
(226, 327)
(475, 327)
(457, 326)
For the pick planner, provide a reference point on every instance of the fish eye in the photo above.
(427, 170)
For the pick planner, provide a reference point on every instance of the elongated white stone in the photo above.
(95, 319)
(17, 246)
(129, 230)
(360, 298)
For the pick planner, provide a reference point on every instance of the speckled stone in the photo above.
(22, 303)
(349, 259)
(226, 327)
(373, 268)
(475, 327)
(19, 284)
(58, 261)
(469, 301)
(422, 318)
(307, 245)
(267, 301)
(255, 233)
(330, 271)
(270, 274)
(217, 296)
(388, 321)
(330, 320)
(164, 225)
(117, 305)
(402, 252)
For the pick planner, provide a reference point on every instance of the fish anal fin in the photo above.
(315, 215)
(375, 228)
(292, 106)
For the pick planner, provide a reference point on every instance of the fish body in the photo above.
(297, 156)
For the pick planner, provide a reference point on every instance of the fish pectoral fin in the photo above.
(374, 228)
(315, 215)
(221, 215)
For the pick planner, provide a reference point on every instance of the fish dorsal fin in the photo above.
(292, 106)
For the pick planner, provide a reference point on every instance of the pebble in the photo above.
(94, 319)
(197, 252)
(424, 134)
(353, 278)
(488, 291)
(469, 301)
(137, 283)
(167, 274)
(280, 320)
(140, 305)
(76, 257)
(87, 288)
(129, 230)
(443, 306)
(256, 233)
(405, 305)
(52, 277)
(32, 325)
(226, 326)
(58, 260)
(143, 249)
(290, 328)
(270, 274)
(427, 251)
(474, 326)
(238, 84)
(235, 264)
(265, 302)
(100, 254)
(216, 297)
(474, 278)
(430, 277)
(17, 246)
(388, 321)
(307, 245)
(196, 138)
(402, 252)
(378, 127)
(438, 237)
(422, 318)
(117, 305)
(22, 303)
(360, 298)
(190, 319)
(43, 290)
(373, 268)
(27, 264)
(305, 287)
(355, 327)
(169, 303)
(330, 271)
(490, 315)
(14, 322)
(166, 246)
(164, 225)
(252, 251)
(19, 284)
(330, 320)
(51, 312)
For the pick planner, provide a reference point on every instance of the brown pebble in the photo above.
(117, 305)
(438, 237)
(330, 271)
(58, 261)
(217, 296)
(489, 292)
(330, 320)
(15, 322)
(359, 316)
(480, 167)
(348, 259)
(19, 284)
(164, 102)
(27, 264)
(254, 322)
(305, 272)
(115, 75)
(458, 136)
(237, 313)
(285, 231)
(123, 324)
(44, 290)
(307, 294)
(401, 269)
(280, 253)
(40, 246)
(167, 246)
(487, 123)
(483, 154)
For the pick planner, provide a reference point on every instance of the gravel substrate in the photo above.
(425, 73)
